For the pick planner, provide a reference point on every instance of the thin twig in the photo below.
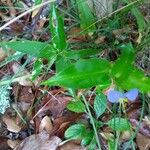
(109, 15)
(25, 13)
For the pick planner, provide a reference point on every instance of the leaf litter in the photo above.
(39, 122)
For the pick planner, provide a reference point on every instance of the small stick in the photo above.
(25, 13)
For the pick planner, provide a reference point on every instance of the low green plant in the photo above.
(83, 69)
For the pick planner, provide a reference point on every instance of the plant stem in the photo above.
(92, 121)
(140, 121)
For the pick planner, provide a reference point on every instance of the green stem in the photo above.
(140, 121)
(117, 140)
(92, 121)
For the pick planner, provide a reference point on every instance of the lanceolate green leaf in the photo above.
(35, 48)
(138, 15)
(37, 68)
(136, 79)
(84, 53)
(119, 124)
(82, 74)
(126, 75)
(57, 29)
(85, 15)
(139, 18)
(27, 47)
(122, 66)
(37, 2)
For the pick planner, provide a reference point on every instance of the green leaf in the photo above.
(76, 131)
(85, 15)
(93, 144)
(119, 124)
(48, 52)
(84, 53)
(37, 68)
(76, 106)
(136, 79)
(82, 74)
(100, 104)
(122, 67)
(65, 59)
(62, 63)
(88, 136)
(27, 47)
(35, 48)
(139, 18)
(57, 29)
(104, 85)
(138, 15)
(111, 144)
(126, 75)
(37, 2)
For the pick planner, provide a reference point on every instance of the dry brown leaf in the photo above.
(39, 141)
(11, 124)
(3, 144)
(75, 36)
(100, 40)
(46, 124)
(143, 142)
(25, 76)
(71, 146)
(24, 106)
(13, 143)
(144, 128)
(9, 3)
(107, 135)
(126, 135)
(61, 124)
(55, 104)
(146, 120)
(2, 54)
(23, 93)
(24, 80)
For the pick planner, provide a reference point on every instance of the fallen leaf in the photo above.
(24, 77)
(24, 80)
(24, 106)
(126, 135)
(146, 120)
(143, 142)
(100, 40)
(55, 104)
(13, 143)
(46, 124)
(76, 36)
(107, 136)
(144, 129)
(2, 54)
(62, 123)
(10, 6)
(23, 93)
(3, 144)
(39, 141)
(71, 145)
(11, 124)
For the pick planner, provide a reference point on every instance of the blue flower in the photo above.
(116, 96)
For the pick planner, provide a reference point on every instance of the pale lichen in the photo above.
(4, 98)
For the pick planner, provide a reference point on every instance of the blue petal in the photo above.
(114, 96)
(132, 94)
